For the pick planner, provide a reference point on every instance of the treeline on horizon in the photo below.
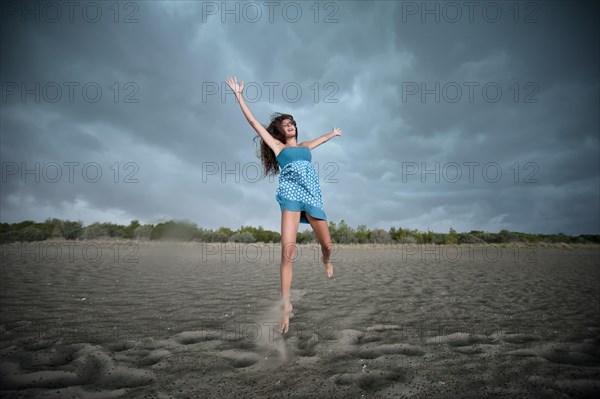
(341, 233)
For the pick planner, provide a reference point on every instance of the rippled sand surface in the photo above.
(148, 320)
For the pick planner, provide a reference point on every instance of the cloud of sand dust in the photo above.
(270, 340)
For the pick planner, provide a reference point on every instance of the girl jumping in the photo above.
(298, 194)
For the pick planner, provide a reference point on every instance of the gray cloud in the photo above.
(177, 133)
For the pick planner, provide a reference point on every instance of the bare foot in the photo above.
(328, 268)
(284, 322)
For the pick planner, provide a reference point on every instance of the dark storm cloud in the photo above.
(370, 54)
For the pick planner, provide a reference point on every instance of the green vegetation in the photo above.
(341, 233)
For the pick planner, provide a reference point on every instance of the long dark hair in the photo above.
(266, 154)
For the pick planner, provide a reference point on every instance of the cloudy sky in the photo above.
(475, 117)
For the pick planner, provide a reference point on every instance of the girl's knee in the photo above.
(288, 252)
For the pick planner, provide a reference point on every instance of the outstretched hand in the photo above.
(234, 85)
(336, 131)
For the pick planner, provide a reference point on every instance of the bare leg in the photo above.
(289, 231)
(321, 230)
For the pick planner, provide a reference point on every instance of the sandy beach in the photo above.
(120, 319)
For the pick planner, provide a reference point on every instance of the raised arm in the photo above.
(237, 89)
(320, 140)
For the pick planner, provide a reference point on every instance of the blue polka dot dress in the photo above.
(298, 183)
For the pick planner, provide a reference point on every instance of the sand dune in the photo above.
(160, 320)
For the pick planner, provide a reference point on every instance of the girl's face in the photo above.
(289, 128)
